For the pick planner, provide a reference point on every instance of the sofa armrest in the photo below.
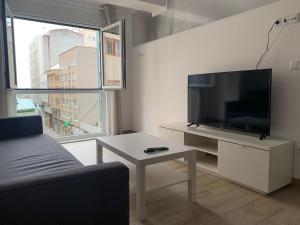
(14, 127)
(85, 196)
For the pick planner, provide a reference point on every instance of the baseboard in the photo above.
(296, 181)
(128, 131)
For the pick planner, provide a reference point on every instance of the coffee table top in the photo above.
(131, 147)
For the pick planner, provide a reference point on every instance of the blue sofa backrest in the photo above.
(15, 127)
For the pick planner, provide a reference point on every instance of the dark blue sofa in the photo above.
(43, 184)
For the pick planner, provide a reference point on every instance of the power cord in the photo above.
(268, 43)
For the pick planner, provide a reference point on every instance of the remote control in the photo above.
(153, 149)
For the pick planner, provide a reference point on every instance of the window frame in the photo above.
(122, 85)
(5, 10)
(13, 92)
(71, 24)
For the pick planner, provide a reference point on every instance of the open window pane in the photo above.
(64, 114)
(50, 56)
(113, 56)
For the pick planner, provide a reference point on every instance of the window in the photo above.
(46, 62)
(52, 49)
(113, 47)
(113, 57)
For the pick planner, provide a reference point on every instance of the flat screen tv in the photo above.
(239, 100)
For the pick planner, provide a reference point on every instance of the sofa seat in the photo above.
(34, 156)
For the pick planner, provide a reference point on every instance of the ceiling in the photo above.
(151, 6)
(216, 9)
(213, 9)
(181, 15)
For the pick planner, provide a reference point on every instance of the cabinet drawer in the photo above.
(171, 135)
(246, 165)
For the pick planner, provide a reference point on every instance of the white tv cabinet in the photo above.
(262, 165)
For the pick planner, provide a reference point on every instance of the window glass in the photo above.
(64, 114)
(59, 57)
(50, 51)
(113, 56)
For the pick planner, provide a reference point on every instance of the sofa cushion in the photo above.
(32, 156)
(21, 126)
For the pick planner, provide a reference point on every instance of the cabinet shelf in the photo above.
(203, 144)
(207, 147)
(208, 162)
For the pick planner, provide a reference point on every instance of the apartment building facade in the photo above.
(73, 114)
(44, 53)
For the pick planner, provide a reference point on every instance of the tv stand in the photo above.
(263, 166)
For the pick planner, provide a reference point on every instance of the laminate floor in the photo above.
(219, 202)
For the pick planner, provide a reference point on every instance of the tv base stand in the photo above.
(192, 124)
(262, 137)
(261, 165)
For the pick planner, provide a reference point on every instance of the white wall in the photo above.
(159, 69)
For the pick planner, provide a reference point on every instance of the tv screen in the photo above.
(238, 100)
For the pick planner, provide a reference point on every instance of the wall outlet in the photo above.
(280, 20)
(288, 20)
(141, 54)
(294, 65)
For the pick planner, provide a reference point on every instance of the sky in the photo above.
(25, 32)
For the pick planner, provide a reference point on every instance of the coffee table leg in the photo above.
(99, 153)
(192, 177)
(140, 192)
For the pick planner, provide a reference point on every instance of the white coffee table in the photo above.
(131, 147)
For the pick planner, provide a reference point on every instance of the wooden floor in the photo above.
(218, 202)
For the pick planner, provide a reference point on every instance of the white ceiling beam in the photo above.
(137, 5)
(157, 2)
